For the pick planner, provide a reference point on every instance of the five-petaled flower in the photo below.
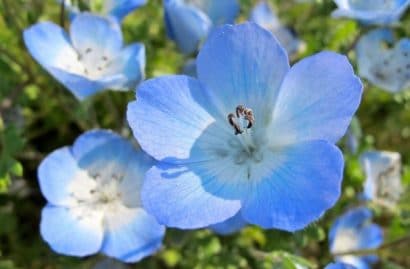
(354, 231)
(383, 177)
(250, 136)
(91, 58)
(379, 12)
(117, 9)
(188, 22)
(93, 194)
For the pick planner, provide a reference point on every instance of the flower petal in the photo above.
(131, 235)
(230, 225)
(303, 183)
(121, 8)
(317, 100)
(243, 65)
(91, 32)
(186, 25)
(72, 231)
(180, 196)
(221, 12)
(169, 115)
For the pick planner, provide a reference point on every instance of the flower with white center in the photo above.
(383, 61)
(90, 58)
(188, 22)
(354, 231)
(339, 265)
(93, 194)
(264, 15)
(379, 12)
(250, 136)
(117, 9)
(383, 177)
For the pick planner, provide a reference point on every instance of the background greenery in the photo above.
(39, 115)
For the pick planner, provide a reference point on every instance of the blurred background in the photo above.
(37, 115)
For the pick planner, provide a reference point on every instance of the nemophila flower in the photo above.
(93, 194)
(383, 176)
(384, 62)
(117, 9)
(250, 136)
(339, 265)
(188, 22)
(90, 58)
(264, 15)
(229, 226)
(354, 231)
(380, 12)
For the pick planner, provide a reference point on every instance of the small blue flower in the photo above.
(93, 194)
(354, 231)
(387, 68)
(188, 22)
(264, 15)
(250, 136)
(380, 12)
(117, 9)
(90, 58)
(229, 226)
(383, 176)
(339, 265)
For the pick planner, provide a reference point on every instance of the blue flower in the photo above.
(90, 58)
(264, 15)
(354, 231)
(380, 12)
(188, 22)
(117, 9)
(387, 68)
(93, 194)
(383, 177)
(229, 226)
(339, 265)
(250, 136)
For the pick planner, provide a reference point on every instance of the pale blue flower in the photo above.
(250, 136)
(90, 58)
(93, 194)
(117, 9)
(339, 265)
(383, 61)
(383, 176)
(188, 22)
(380, 12)
(354, 231)
(264, 15)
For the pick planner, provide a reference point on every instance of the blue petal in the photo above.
(229, 226)
(132, 234)
(179, 196)
(221, 12)
(70, 233)
(304, 182)
(317, 99)
(356, 262)
(55, 174)
(121, 8)
(263, 15)
(169, 115)
(243, 64)
(89, 31)
(186, 25)
(339, 265)
(371, 236)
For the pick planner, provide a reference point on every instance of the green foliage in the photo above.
(37, 115)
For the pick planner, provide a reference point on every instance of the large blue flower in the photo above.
(117, 9)
(188, 22)
(383, 61)
(93, 194)
(264, 15)
(379, 12)
(90, 59)
(383, 176)
(354, 231)
(277, 165)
